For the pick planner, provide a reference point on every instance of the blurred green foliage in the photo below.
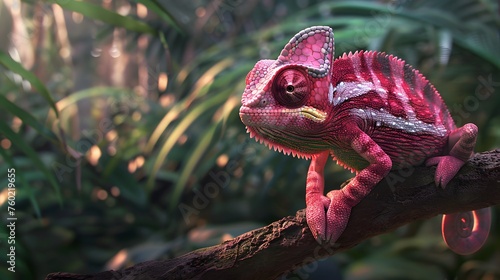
(121, 121)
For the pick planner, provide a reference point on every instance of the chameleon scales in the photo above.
(369, 111)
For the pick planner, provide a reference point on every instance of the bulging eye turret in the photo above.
(291, 87)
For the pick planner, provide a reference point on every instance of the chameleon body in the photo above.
(371, 112)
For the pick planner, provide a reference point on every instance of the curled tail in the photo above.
(466, 232)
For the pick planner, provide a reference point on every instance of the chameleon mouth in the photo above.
(308, 112)
(313, 114)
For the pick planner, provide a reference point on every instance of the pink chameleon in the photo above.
(370, 112)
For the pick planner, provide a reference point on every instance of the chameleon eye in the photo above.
(291, 87)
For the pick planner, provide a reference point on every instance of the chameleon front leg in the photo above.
(316, 202)
(463, 232)
(327, 227)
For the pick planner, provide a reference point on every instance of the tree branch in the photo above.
(268, 252)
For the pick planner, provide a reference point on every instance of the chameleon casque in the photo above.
(371, 112)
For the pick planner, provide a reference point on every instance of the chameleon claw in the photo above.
(447, 168)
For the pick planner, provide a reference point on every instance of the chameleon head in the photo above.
(288, 99)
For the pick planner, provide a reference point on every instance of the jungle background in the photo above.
(121, 121)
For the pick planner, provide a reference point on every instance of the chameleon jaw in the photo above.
(264, 137)
(272, 135)
(313, 114)
(309, 112)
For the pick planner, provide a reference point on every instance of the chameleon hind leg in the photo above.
(461, 144)
(463, 232)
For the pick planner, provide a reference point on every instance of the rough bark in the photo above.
(268, 252)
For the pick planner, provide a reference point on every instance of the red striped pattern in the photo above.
(408, 94)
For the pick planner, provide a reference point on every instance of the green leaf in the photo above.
(16, 67)
(183, 125)
(192, 160)
(99, 13)
(27, 118)
(28, 150)
(94, 92)
(34, 203)
(161, 12)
